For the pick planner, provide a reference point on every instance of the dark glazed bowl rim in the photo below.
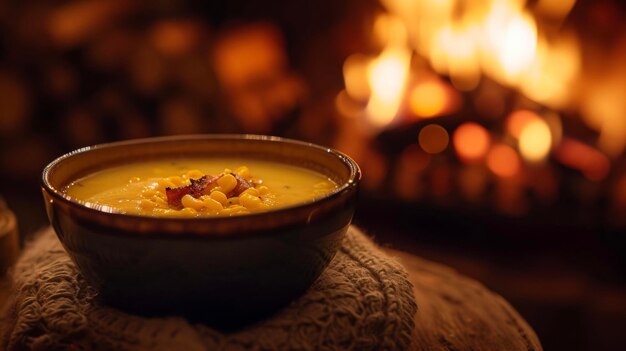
(345, 189)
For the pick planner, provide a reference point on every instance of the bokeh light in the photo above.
(428, 99)
(471, 141)
(535, 140)
(503, 161)
(433, 138)
(518, 120)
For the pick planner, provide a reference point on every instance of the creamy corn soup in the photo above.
(200, 187)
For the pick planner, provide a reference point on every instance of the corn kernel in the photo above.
(165, 212)
(194, 174)
(251, 191)
(165, 183)
(227, 183)
(243, 172)
(147, 204)
(210, 203)
(235, 210)
(188, 212)
(263, 190)
(189, 201)
(159, 201)
(233, 200)
(250, 201)
(148, 192)
(219, 197)
(176, 180)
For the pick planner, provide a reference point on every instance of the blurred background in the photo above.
(490, 133)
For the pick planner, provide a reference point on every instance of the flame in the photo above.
(387, 76)
(554, 8)
(498, 38)
(511, 43)
(551, 77)
(535, 140)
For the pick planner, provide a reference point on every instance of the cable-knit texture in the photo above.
(362, 301)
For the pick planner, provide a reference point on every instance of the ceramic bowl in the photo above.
(223, 270)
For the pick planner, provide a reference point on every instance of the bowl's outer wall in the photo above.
(241, 267)
(245, 276)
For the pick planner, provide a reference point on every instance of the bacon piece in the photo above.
(202, 186)
(242, 185)
(197, 188)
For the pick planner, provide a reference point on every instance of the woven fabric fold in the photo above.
(362, 301)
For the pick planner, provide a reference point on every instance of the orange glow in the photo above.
(535, 140)
(602, 109)
(502, 39)
(77, 21)
(355, 76)
(518, 120)
(175, 37)
(511, 42)
(591, 162)
(428, 99)
(346, 106)
(554, 8)
(233, 50)
(471, 141)
(518, 46)
(390, 30)
(503, 161)
(433, 139)
(387, 77)
(551, 79)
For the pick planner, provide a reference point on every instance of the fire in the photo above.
(517, 46)
(496, 38)
(387, 76)
(554, 72)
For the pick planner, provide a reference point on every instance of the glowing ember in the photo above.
(471, 141)
(518, 120)
(433, 139)
(535, 140)
(503, 161)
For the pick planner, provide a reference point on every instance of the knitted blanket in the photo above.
(362, 301)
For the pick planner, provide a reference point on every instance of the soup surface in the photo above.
(190, 187)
